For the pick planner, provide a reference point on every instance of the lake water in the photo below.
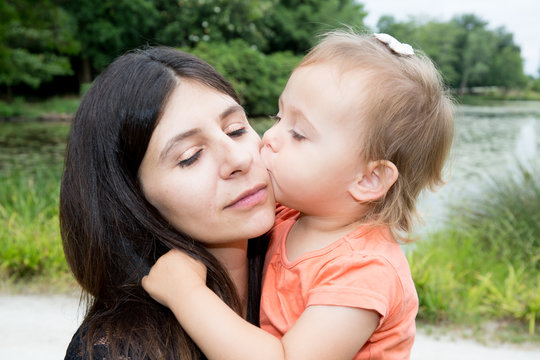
(490, 142)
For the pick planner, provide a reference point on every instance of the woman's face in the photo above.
(202, 169)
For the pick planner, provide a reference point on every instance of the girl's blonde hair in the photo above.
(406, 114)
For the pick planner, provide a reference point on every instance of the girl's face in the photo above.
(202, 169)
(313, 151)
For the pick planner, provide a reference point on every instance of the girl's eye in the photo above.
(296, 135)
(275, 118)
(187, 162)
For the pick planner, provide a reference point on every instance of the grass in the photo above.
(31, 158)
(497, 95)
(484, 265)
(53, 107)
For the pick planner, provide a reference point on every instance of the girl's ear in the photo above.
(375, 181)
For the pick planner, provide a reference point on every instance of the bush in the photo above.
(259, 79)
(509, 217)
(13, 109)
(485, 262)
(536, 85)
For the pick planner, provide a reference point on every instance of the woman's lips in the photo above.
(249, 198)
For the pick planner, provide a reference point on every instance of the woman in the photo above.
(160, 156)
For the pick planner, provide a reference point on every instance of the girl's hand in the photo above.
(172, 276)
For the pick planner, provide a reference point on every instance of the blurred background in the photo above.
(476, 262)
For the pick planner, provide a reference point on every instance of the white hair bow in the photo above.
(395, 45)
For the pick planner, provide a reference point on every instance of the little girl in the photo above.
(364, 125)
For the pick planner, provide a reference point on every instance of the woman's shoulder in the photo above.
(78, 347)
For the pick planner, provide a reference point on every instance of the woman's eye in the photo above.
(237, 133)
(296, 135)
(235, 129)
(190, 160)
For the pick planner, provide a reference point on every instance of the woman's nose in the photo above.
(237, 158)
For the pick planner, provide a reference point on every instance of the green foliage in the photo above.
(29, 236)
(186, 23)
(261, 124)
(54, 107)
(486, 261)
(106, 29)
(536, 84)
(294, 24)
(258, 78)
(36, 40)
(510, 220)
(12, 109)
(466, 52)
(40, 40)
(37, 68)
(506, 68)
(31, 159)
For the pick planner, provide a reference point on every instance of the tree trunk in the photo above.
(463, 84)
(86, 71)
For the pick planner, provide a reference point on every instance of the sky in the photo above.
(519, 17)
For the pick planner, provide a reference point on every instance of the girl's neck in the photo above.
(311, 233)
(233, 257)
(328, 224)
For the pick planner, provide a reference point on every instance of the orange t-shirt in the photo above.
(365, 269)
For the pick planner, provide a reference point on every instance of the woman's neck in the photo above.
(233, 257)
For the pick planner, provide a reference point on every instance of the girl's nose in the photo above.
(270, 139)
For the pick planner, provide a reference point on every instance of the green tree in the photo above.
(476, 58)
(258, 78)
(506, 69)
(437, 40)
(465, 51)
(292, 25)
(269, 25)
(106, 29)
(488, 57)
(36, 41)
(403, 31)
(536, 84)
(188, 22)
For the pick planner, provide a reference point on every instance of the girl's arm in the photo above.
(322, 332)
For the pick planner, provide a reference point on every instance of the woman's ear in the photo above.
(375, 181)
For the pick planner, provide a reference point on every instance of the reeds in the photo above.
(31, 158)
(485, 262)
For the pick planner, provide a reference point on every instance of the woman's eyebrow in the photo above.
(175, 139)
(231, 110)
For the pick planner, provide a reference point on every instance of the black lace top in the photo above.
(76, 348)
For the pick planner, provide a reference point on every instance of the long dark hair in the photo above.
(110, 233)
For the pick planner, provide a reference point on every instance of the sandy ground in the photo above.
(40, 327)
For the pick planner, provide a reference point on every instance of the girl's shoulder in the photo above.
(284, 213)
